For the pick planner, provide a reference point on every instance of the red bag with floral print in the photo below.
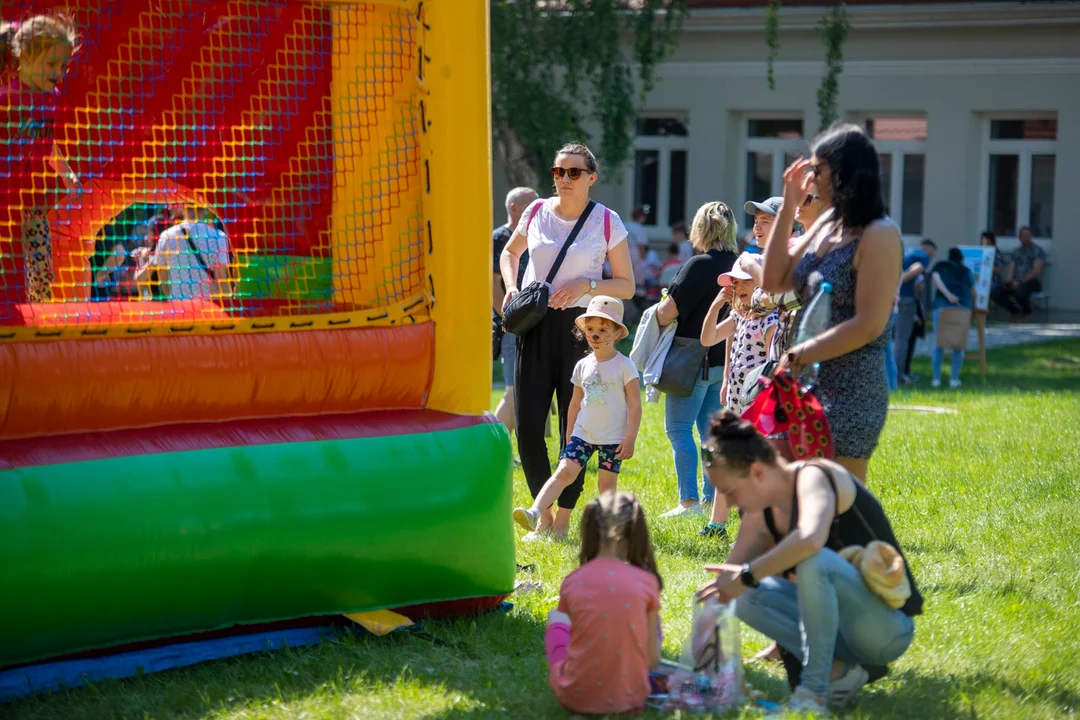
(783, 405)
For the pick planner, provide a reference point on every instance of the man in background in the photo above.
(1023, 276)
(917, 261)
(517, 200)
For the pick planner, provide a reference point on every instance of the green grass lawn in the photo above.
(985, 501)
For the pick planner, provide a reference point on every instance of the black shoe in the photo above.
(714, 531)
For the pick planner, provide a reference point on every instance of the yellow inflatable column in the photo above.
(457, 147)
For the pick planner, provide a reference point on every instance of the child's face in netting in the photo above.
(45, 70)
(599, 332)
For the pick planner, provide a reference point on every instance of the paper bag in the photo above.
(952, 328)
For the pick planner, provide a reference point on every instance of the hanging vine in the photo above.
(557, 67)
(772, 37)
(834, 28)
(834, 31)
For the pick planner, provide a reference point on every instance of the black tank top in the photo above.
(864, 521)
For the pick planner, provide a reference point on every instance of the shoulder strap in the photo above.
(532, 213)
(770, 523)
(607, 226)
(570, 241)
(198, 255)
(854, 503)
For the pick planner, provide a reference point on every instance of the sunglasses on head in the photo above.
(707, 454)
(574, 173)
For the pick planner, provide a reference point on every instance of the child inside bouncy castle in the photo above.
(34, 58)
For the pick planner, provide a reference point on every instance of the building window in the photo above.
(1020, 162)
(660, 165)
(770, 145)
(901, 145)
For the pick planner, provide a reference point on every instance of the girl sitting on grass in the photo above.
(605, 411)
(605, 636)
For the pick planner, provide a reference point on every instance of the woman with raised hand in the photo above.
(856, 247)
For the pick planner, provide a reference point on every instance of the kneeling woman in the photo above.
(795, 517)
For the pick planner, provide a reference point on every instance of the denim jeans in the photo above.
(680, 416)
(906, 316)
(891, 371)
(937, 355)
(829, 614)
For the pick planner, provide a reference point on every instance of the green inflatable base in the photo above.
(264, 276)
(102, 552)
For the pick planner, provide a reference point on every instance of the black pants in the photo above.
(545, 364)
(1018, 300)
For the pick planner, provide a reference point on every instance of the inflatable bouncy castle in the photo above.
(244, 344)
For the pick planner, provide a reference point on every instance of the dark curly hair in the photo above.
(856, 174)
(738, 442)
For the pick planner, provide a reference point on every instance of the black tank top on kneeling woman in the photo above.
(863, 522)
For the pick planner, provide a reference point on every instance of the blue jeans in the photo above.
(509, 358)
(891, 371)
(830, 613)
(937, 355)
(680, 416)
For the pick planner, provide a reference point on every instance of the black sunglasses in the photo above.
(809, 200)
(707, 454)
(574, 173)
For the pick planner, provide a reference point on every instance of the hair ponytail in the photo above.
(639, 545)
(618, 519)
(738, 442)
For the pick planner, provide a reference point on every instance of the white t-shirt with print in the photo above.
(584, 259)
(604, 412)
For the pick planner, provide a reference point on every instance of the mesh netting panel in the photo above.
(169, 161)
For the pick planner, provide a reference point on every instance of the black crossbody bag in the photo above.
(528, 307)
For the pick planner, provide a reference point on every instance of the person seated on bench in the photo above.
(1023, 276)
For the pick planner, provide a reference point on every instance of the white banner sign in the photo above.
(980, 260)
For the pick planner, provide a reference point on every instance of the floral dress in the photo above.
(748, 351)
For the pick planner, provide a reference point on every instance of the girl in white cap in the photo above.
(752, 329)
(605, 411)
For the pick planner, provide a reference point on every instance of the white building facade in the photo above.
(975, 109)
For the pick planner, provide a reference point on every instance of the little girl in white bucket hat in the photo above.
(605, 411)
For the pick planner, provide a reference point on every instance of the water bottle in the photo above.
(814, 321)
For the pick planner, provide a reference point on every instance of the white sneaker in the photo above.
(954, 383)
(527, 518)
(803, 702)
(680, 510)
(843, 690)
(536, 536)
(935, 383)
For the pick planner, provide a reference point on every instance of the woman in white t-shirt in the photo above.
(546, 356)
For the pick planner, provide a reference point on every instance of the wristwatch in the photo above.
(592, 285)
(747, 578)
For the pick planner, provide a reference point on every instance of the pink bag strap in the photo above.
(607, 225)
(532, 213)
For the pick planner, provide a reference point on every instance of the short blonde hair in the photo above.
(33, 36)
(714, 228)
